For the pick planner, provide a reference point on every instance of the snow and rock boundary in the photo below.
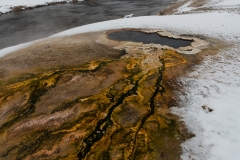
(16, 5)
(202, 6)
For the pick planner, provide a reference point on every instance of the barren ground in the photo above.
(87, 97)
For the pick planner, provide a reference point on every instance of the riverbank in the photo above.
(19, 5)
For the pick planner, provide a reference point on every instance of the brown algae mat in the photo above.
(88, 97)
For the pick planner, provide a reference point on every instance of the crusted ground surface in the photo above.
(87, 97)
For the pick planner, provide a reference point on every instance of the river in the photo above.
(24, 26)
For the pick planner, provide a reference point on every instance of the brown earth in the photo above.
(87, 97)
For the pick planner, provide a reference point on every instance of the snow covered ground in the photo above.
(210, 99)
(7, 5)
(210, 107)
(210, 5)
(223, 3)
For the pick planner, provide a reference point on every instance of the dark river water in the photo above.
(24, 26)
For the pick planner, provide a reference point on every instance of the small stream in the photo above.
(24, 26)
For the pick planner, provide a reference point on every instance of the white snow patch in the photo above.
(222, 3)
(8, 50)
(230, 2)
(184, 8)
(128, 16)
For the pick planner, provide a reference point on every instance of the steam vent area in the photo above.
(96, 96)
